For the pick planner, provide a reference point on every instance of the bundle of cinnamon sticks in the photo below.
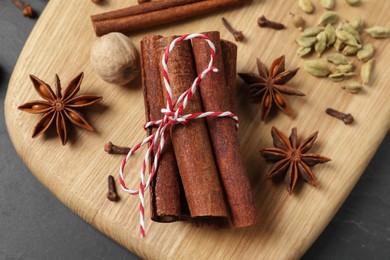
(154, 13)
(201, 175)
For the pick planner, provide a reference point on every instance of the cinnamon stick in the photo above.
(229, 54)
(165, 189)
(191, 141)
(223, 135)
(155, 13)
(140, 9)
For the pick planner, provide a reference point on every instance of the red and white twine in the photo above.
(172, 115)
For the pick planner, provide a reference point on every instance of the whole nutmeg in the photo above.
(115, 58)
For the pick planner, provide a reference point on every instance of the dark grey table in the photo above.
(35, 225)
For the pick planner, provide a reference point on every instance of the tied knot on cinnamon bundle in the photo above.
(172, 115)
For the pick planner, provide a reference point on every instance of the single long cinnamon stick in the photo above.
(229, 53)
(165, 188)
(140, 9)
(133, 22)
(191, 141)
(223, 135)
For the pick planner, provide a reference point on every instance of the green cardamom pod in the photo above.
(306, 41)
(312, 31)
(320, 45)
(316, 68)
(345, 68)
(353, 87)
(327, 4)
(306, 6)
(340, 76)
(303, 51)
(338, 45)
(366, 71)
(298, 21)
(330, 35)
(328, 18)
(353, 2)
(337, 59)
(350, 50)
(366, 53)
(347, 38)
(336, 77)
(357, 23)
(348, 28)
(378, 32)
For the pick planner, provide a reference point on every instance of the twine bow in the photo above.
(172, 115)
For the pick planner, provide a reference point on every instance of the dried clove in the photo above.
(115, 149)
(112, 194)
(346, 118)
(238, 35)
(25, 7)
(264, 22)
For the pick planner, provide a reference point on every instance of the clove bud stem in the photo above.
(114, 149)
(238, 35)
(346, 118)
(264, 22)
(26, 8)
(112, 195)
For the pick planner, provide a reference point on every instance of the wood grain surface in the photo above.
(77, 173)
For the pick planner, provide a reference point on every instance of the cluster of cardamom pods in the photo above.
(345, 38)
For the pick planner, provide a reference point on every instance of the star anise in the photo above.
(291, 158)
(270, 86)
(59, 107)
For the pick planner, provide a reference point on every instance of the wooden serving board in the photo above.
(76, 173)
